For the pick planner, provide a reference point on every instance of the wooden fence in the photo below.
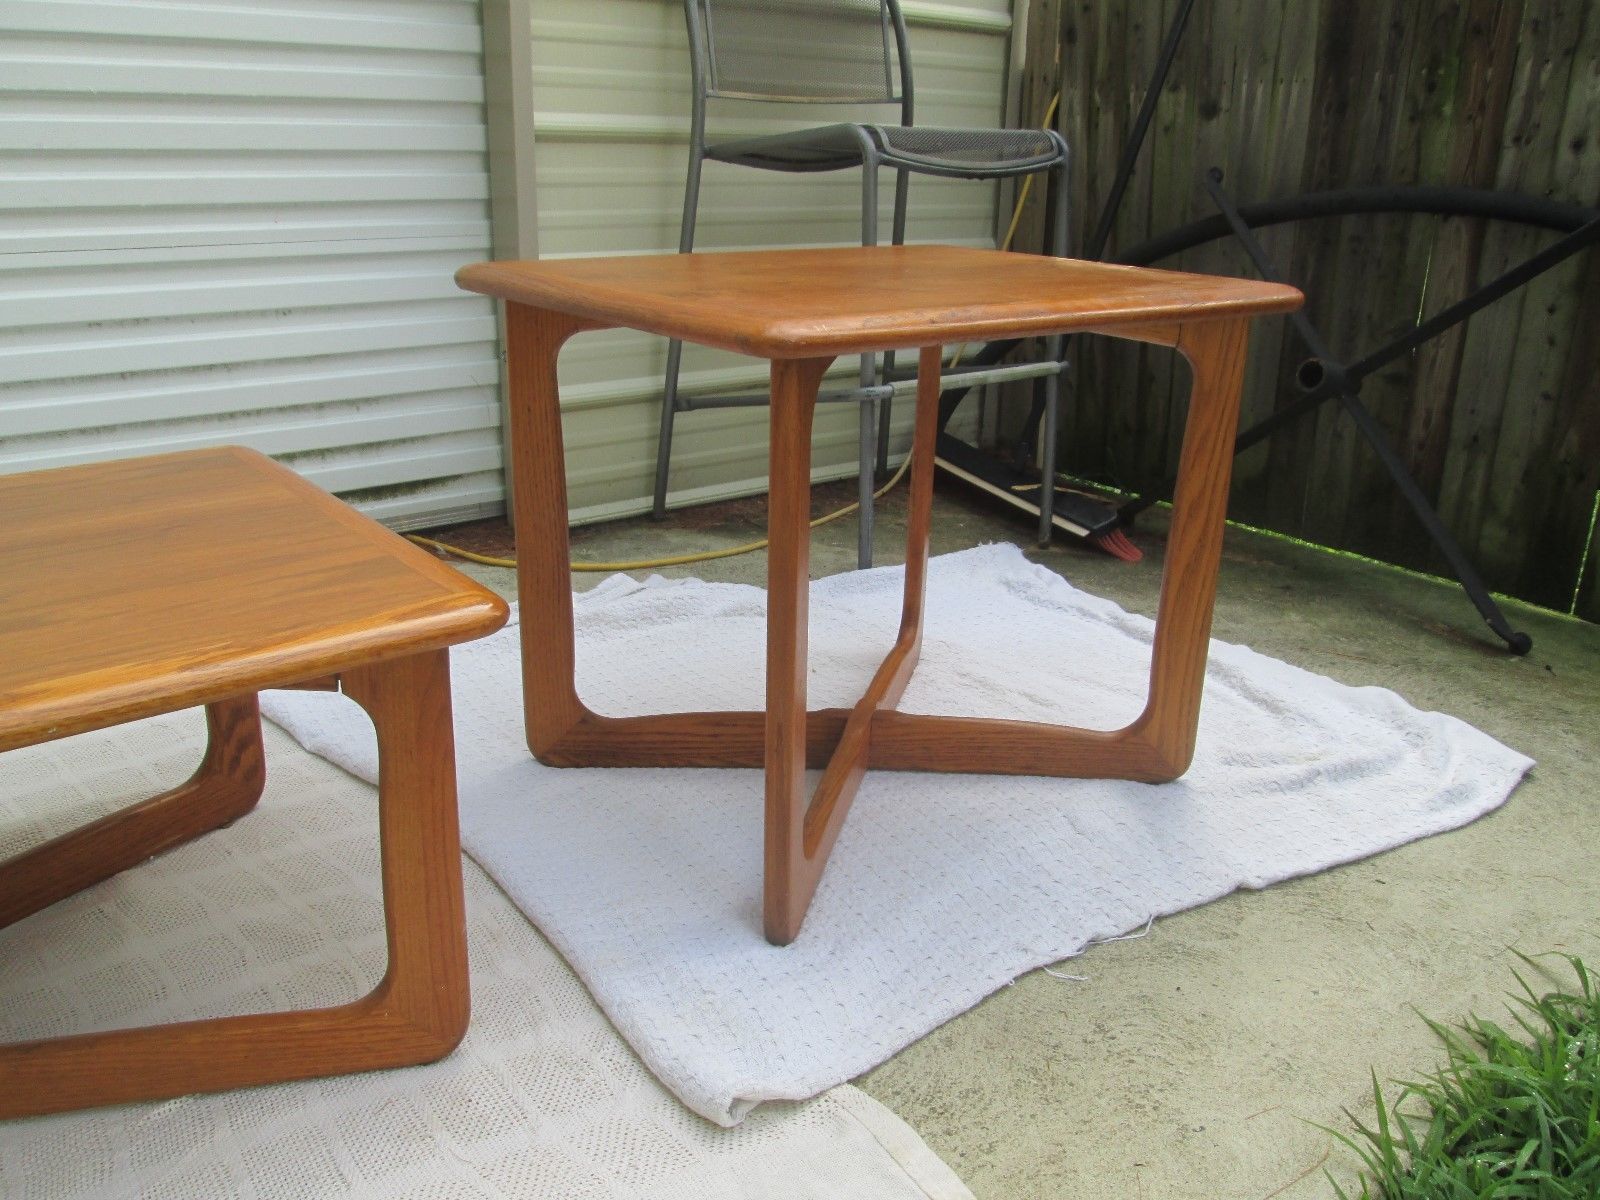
(1499, 420)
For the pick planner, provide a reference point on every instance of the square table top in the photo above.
(812, 303)
(141, 586)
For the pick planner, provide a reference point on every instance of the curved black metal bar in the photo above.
(1343, 202)
(1340, 385)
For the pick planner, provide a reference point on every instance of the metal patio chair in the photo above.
(848, 51)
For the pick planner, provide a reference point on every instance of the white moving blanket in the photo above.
(281, 909)
(942, 887)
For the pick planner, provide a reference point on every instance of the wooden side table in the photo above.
(149, 585)
(800, 309)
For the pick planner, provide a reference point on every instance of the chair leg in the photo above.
(1047, 451)
(1054, 348)
(866, 441)
(868, 377)
(669, 410)
(669, 393)
(227, 784)
(902, 185)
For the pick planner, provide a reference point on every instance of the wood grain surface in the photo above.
(142, 586)
(150, 584)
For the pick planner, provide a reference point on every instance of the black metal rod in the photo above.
(1437, 201)
(1096, 245)
(1523, 273)
(951, 398)
(1131, 147)
(1471, 583)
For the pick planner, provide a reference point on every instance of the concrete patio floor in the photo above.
(1199, 1060)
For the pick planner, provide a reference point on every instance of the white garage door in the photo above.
(238, 223)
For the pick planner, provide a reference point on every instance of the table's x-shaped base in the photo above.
(786, 738)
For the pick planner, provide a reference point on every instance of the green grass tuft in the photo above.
(1512, 1115)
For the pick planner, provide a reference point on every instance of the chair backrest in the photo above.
(807, 51)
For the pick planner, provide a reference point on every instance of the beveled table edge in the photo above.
(543, 284)
(465, 611)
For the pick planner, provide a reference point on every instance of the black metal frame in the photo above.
(1324, 377)
(869, 148)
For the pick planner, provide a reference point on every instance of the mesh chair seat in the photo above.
(825, 148)
(974, 153)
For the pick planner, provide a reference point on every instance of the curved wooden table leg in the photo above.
(550, 704)
(1159, 744)
(424, 994)
(417, 1013)
(799, 834)
(227, 784)
(1216, 353)
(787, 881)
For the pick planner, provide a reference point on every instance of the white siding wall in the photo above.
(239, 224)
(611, 118)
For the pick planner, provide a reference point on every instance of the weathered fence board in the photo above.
(1499, 420)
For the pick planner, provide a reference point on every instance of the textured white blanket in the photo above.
(542, 1101)
(942, 887)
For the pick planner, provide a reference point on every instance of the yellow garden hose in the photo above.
(676, 560)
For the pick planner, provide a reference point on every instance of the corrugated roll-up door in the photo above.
(611, 93)
(239, 224)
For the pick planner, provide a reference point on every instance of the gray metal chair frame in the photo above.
(884, 77)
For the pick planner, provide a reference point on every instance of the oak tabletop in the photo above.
(135, 587)
(811, 303)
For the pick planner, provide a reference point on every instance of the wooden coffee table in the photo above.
(801, 309)
(149, 585)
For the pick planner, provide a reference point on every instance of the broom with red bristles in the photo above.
(1081, 513)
